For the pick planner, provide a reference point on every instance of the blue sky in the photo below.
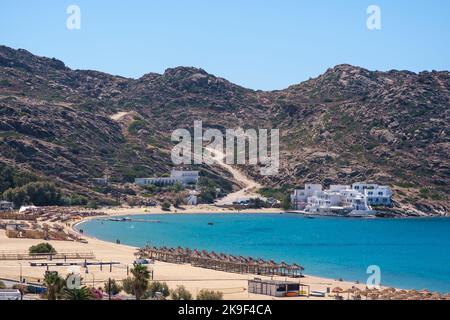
(261, 44)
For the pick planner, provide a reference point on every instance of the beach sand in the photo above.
(233, 286)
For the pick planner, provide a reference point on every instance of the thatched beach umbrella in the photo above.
(365, 292)
(282, 268)
(436, 296)
(425, 292)
(337, 290)
(352, 290)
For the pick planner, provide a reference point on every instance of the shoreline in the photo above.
(211, 210)
(206, 211)
(193, 278)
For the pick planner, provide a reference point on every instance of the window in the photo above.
(293, 287)
(281, 288)
(380, 193)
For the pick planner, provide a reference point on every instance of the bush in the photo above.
(76, 200)
(277, 193)
(2, 285)
(136, 125)
(257, 203)
(113, 287)
(96, 294)
(165, 206)
(178, 201)
(128, 285)
(209, 295)
(157, 286)
(207, 196)
(180, 293)
(42, 248)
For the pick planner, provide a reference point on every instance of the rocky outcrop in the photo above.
(346, 125)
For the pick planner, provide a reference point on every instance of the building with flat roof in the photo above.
(100, 181)
(276, 288)
(341, 199)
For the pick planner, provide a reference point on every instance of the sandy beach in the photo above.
(233, 286)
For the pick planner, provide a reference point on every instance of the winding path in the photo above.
(249, 186)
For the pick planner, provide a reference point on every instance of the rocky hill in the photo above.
(347, 125)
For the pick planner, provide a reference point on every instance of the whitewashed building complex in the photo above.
(356, 199)
(176, 176)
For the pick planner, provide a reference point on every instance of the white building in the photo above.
(100, 181)
(341, 199)
(176, 176)
(186, 177)
(6, 206)
(379, 196)
(300, 197)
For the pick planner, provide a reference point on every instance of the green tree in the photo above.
(18, 196)
(6, 177)
(2, 285)
(13, 178)
(38, 193)
(54, 284)
(286, 203)
(42, 248)
(43, 193)
(139, 283)
(181, 293)
(209, 295)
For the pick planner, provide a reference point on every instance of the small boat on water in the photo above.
(120, 219)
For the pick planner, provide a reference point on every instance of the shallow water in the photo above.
(411, 253)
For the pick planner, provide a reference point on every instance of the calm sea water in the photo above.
(412, 253)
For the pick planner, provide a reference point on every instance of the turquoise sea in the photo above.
(411, 253)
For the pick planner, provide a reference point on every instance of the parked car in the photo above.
(142, 261)
(10, 294)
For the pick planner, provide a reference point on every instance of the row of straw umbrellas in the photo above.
(388, 294)
(221, 261)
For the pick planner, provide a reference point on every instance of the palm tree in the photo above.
(82, 293)
(54, 284)
(137, 285)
